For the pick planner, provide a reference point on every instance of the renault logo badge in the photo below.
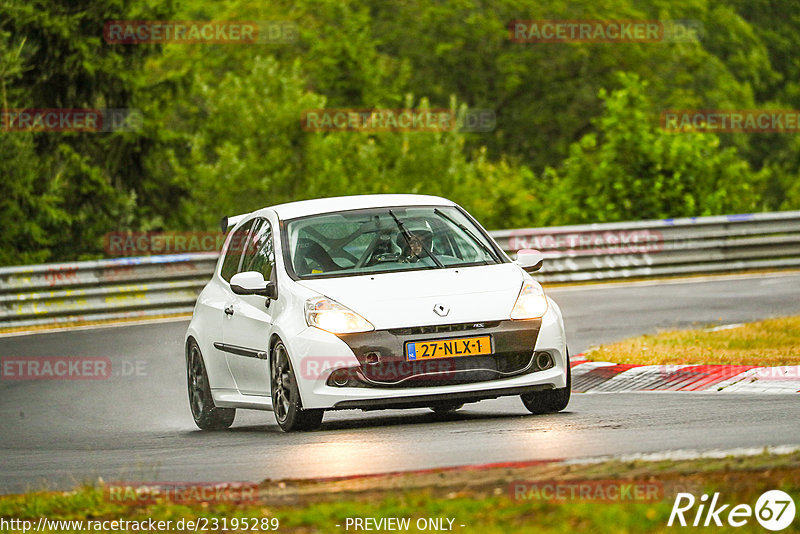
(441, 310)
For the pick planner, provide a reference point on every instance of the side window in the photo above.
(236, 244)
(259, 255)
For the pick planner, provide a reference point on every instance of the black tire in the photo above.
(445, 409)
(550, 400)
(206, 415)
(286, 404)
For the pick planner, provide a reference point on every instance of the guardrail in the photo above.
(104, 289)
(668, 247)
(166, 285)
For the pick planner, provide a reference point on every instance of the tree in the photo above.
(64, 63)
(29, 203)
(630, 169)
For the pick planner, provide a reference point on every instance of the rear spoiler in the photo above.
(229, 222)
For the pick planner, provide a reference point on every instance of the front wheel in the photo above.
(550, 400)
(286, 404)
(206, 415)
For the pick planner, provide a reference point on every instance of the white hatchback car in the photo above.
(369, 302)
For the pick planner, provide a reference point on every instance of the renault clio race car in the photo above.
(369, 302)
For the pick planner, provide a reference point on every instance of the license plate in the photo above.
(449, 348)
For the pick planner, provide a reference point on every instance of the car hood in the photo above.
(400, 300)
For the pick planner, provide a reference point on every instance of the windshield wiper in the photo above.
(467, 231)
(407, 236)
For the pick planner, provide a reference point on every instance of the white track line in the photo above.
(670, 281)
(687, 454)
(95, 326)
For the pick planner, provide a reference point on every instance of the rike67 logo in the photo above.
(774, 510)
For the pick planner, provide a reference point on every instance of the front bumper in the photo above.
(317, 354)
(423, 401)
(382, 361)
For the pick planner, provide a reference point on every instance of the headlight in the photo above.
(331, 316)
(531, 302)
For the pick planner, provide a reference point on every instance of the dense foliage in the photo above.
(577, 137)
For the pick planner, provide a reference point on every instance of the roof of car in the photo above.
(303, 208)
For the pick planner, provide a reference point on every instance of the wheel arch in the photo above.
(274, 339)
(189, 340)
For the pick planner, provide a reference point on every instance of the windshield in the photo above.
(379, 240)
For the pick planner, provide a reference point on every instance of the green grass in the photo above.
(484, 507)
(767, 343)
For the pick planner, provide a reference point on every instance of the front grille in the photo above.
(383, 364)
(442, 328)
(444, 371)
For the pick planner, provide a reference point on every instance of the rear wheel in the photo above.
(286, 404)
(551, 400)
(206, 415)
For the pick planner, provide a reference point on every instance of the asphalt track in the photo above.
(136, 425)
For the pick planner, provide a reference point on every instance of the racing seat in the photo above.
(310, 255)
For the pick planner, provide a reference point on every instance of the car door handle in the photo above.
(229, 310)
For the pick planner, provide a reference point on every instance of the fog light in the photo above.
(340, 377)
(544, 360)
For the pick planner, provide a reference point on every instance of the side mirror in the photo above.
(253, 283)
(529, 259)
